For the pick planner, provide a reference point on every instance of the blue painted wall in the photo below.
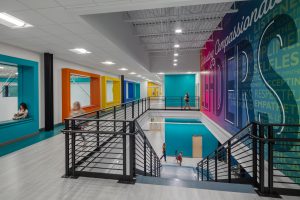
(133, 91)
(179, 137)
(27, 93)
(177, 85)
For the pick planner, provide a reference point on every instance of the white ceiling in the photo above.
(59, 27)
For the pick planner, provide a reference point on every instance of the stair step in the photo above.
(206, 185)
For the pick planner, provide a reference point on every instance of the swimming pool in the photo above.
(179, 134)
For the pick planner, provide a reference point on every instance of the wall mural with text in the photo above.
(251, 69)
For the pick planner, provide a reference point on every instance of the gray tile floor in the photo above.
(34, 173)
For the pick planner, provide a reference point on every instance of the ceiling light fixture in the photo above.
(80, 51)
(178, 30)
(175, 60)
(176, 45)
(107, 62)
(175, 64)
(123, 69)
(161, 73)
(139, 75)
(175, 54)
(1, 67)
(189, 72)
(132, 73)
(12, 22)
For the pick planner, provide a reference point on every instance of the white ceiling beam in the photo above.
(184, 33)
(173, 49)
(179, 42)
(182, 17)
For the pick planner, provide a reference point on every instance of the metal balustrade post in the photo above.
(207, 169)
(132, 106)
(270, 159)
(165, 103)
(73, 143)
(67, 151)
(151, 162)
(261, 160)
(198, 171)
(145, 156)
(124, 151)
(114, 118)
(254, 153)
(202, 174)
(142, 105)
(216, 165)
(98, 128)
(132, 150)
(229, 160)
(138, 107)
(154, 165)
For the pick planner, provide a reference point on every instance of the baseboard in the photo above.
(18, 139)
(55, 125)
(26, 136)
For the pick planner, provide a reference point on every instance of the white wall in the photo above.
(58, 64)
(144, 85)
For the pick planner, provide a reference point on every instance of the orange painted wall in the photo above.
(66, 91)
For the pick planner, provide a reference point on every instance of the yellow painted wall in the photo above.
(154, 90)
(116, 91)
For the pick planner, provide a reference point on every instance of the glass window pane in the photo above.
(8, 91)
(109, 91)
(80, 90)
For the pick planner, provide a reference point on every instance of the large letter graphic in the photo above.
(283, 29)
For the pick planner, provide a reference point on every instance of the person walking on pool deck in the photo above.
(179, 158)
(187, 101)
(164, 152)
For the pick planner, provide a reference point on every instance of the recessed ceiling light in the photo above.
(175, 60)
(12, 22)
(123, 69)
(139, 75)
(160, 73)
(107, 62)
(176, 45)
(80, 51)
(175, 64)
(189, 72)
(132, 73)
(1, 67)
(175, 54)
(16, 73)
(179, 30)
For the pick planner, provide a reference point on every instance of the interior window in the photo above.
(8, 91)
(80, 89)
(109, 91)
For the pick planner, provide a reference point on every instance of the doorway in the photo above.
(197, 146)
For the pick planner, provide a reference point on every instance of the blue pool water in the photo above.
(179, 133)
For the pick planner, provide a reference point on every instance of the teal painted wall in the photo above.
(27, 93)
(137, 91)
(177, 85)
(179, 137)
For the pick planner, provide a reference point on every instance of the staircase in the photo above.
(264, 155)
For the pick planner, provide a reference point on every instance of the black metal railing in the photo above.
(107, 144)
(174, 103)
(265, 155)
(147, 161)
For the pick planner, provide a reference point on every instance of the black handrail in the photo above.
(241, 159)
